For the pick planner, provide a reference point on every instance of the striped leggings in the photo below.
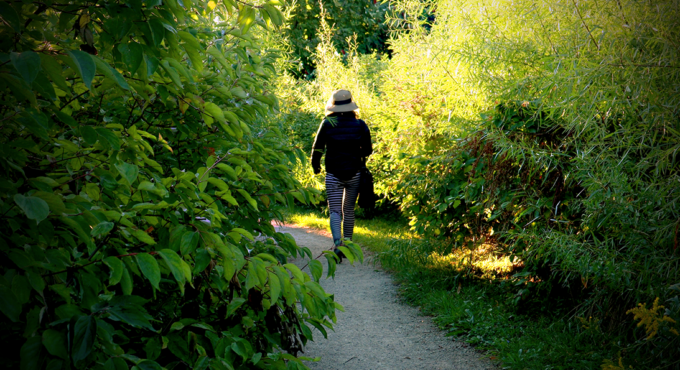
(342, 195)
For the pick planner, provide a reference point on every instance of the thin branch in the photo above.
(585, 25)
(250, 5)
(540, 19)
(8, 117)
(641, 65)
(101, 244)
(622, 15)
(81, 176)
(74, 98)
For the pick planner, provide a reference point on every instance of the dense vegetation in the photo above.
(147, 146)
(140, 179)
(362, 21)
(544, 133)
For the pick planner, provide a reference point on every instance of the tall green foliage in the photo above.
(577, 175)
(362, 21)
(140, 178)
(549, 127)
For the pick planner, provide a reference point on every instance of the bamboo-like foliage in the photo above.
(602, 80)
(553, 124)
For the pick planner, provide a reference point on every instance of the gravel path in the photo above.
(376, 331)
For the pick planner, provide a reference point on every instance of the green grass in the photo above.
(481, 312)
(372, 234)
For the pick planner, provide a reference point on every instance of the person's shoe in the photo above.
(339, 254)
(337, 250)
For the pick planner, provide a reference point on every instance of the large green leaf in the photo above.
(109, 136)
(252, 279)
(149, 267)
(32, 354)
(19, 87)
(202, 259)
(126, 283)
(36, 280)
(54, 70)
(133, 55)
(55, 342)
(44, 87)
(53, 200)
(102, 228)
(274, 287)
(246, 18)
(189, 242)
(10, 16)
(297, 274)
(174, 262)
(143, 237)
(9, 304)
(85, 65)
(21, 289)
(129, 310)
(172, 73)
(316, 269)
(116, 266)
(115, 363)
(110, 72)
(34, 207)
(28, 65)
(84, 334)
(128, 171)
(149, 365)
(192, 46)
(157, 30)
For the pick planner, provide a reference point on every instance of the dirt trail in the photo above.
(376, 331)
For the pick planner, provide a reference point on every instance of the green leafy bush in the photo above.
(141, 176)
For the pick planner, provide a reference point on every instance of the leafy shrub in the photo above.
(141, 175)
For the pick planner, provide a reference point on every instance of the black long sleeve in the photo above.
(366, 144)
(319, 148)
(344, 141)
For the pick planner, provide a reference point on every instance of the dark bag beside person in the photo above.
(366, 193)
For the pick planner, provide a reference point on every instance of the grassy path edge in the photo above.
(482, 314)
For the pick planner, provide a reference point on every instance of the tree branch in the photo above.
(585, 25)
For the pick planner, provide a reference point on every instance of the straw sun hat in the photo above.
(341, 101)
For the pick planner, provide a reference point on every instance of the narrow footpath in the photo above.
(376, 331)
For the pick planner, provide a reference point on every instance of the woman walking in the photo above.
(346, 141)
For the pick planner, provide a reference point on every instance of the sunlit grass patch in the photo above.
(484, 261)
(441, 257)
(308, 219)
(372, 234)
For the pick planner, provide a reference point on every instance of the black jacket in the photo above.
(346, 141)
